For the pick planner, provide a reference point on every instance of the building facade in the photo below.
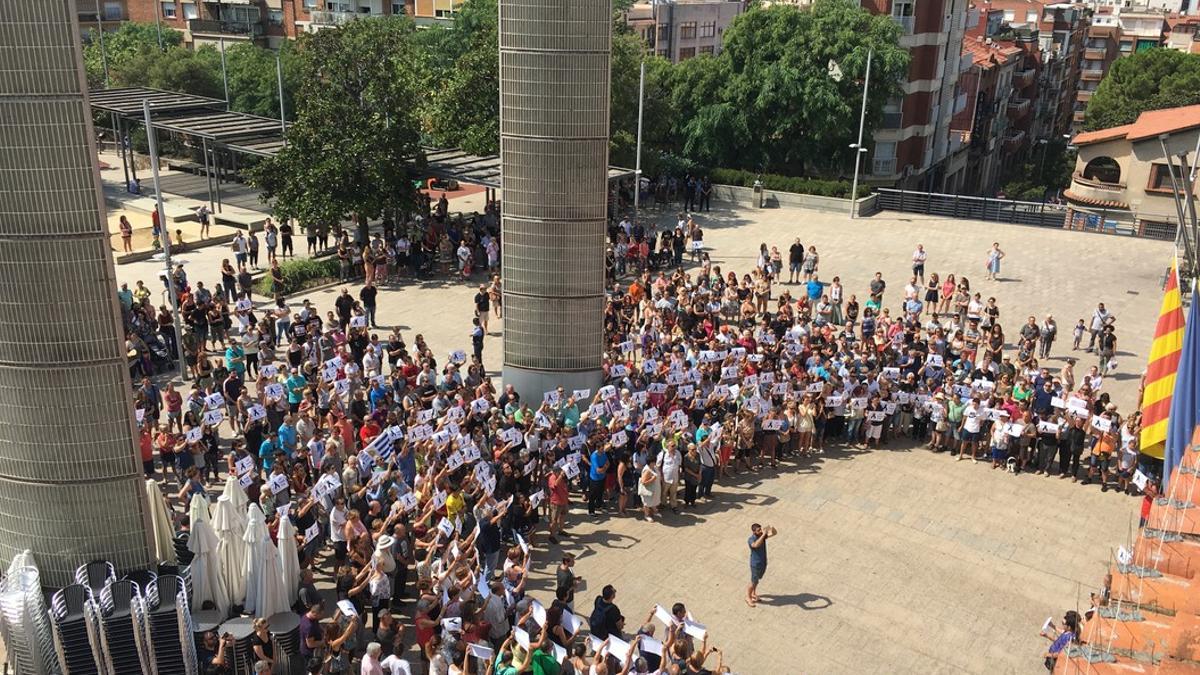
(554, 128)
(982, 126)
(71, 487)
(265, 22)
(1121, 177)
(913, 142)
(683, 29)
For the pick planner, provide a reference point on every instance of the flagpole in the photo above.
(858, 148)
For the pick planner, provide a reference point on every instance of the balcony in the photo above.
(1091, 75)
(1093, 192)
(1023, 78)
(1013, 140)
(1095, 53)
(224, 28)
(1083, 95)
(883, 167)
(325, 18)
(906, 23)
(1018, 107)
(1079, 116)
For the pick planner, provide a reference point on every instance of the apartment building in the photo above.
(913, 143)
(982, 126)
(682, 29)
(1184, 33)
(1114, 32)
(265, 22)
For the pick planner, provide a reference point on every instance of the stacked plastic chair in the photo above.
(76, 633)
(241, 628)
(285, 633)
(26, 629)
(122, 626)
(169, 625)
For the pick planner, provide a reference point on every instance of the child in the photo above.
(1080, 329)
(1148, 502)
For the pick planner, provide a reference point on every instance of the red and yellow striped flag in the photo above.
(1160, 373)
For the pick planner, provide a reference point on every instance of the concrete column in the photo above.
(70, 472)
(554, 100)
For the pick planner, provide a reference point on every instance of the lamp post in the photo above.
(165, 236)
(637, 166)
(859, 149)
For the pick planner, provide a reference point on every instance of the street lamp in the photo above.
(854, 185)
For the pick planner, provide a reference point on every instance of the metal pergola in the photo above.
(225, 134)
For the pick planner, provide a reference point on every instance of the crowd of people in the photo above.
(410, 474)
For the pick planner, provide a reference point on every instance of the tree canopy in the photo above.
(121, 46)
(767, 100)
(356, 126)
(1149, 80)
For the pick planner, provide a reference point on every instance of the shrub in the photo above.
(808, 186)
(301, 274)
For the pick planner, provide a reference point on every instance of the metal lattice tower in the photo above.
(70, 473)
(554, 105)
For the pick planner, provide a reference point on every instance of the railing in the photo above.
(1097, 184)
(883, 167)
(1094, 53)
(1018, 106)
(224, 27)
(1092, 74)
(978, 208)
(1015, 138)
(906, 23)
(1084, 95)
(326, 18)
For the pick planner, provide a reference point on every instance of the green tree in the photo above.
(176, 69)
(122, 45)
(628, 53)
(356, 129)
(463, 67)
(768, 101)
(253, 83)
(1149, 80)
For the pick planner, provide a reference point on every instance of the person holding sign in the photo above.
(1106, 429)
(758, 559)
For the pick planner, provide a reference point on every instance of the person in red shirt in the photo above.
(560, 500)
(369, 431)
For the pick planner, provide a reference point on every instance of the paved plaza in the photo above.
(888, 561)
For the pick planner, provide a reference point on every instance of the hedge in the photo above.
(301, 274)
(806, 186)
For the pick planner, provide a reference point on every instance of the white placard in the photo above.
(194, 435)
(270, 370)
(256, 412)
(278, 483)
(273, 390)
(347, 608)
(214, 400)
(214, 417)
(480, 650)
(244, 465)
(1140, 479)
(312, 532)
(581, 394)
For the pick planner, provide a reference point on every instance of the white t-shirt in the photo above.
(337, 524)
(918, 257)
(971, 419)
(394, 665)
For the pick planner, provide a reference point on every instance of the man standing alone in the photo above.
(758, 559)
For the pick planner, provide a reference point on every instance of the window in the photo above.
(686, 53)
(1010, 15)
(706, 49)
(902, 13)
(275, 17)
(1160, 179)
(190, 11)
(662, 52)
(664, 32)
(310, 4)
(687, 30)
(884, 162)
(168, 10)
(1031, 17)
(112, 11)
(708, 29)
(1106, 170)
(398, 9)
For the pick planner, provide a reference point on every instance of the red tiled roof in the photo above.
(985, 55)
(1148, 125)
(1104, 203)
